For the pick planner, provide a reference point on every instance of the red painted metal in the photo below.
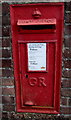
(37, 22)
(37, 91)
(36, 14)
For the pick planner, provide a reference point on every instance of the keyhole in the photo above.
(26, 76)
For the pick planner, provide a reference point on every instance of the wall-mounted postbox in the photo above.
(37, 45)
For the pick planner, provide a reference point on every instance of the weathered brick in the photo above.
(6, 42)
(0, 53)
(5, 20)
(68, 6)
(34, 116)
(68, 17)
(6, 63)
(0, 20)
(0, 99)
(67, 53)
(7, 82)
(0, 63)
(6, 53)
(0, 72)
(7, 73)
(67, 41)
(65, 92)
(17, 116)
(5, 9)
(66, 83)
(66, 73)
(64, 101)
(69, 101)
(66, 110)
(8, 108)
(1, 115)
(0, 9)
(5, 31)
(0, 81)
(7, 100)
(8, 91)
(0, 90)
(67, 29)
(0, 31)
(4, 115)
(0, 107)
(0, 41)
(67, 63)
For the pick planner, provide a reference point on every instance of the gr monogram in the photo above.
(40, 81)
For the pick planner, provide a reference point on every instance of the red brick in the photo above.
(0, 53)
(18, 116)
(6, 53)
(7, 82)
(66, 73)
(67, 29)
(5, 8)
(64, 101)
(4, 115)
(0, 90)
(5, 20)
(66, 83)
(6, 63)
(65, 92)
(69, 101)
(1, 72)
(0, 81)
(68, 17)
(7, 100)
(67, 53)
(0, 99)
(1, 115)
(0, 9)
(0, 20)
(1, 42)
(0, 107)
(7, 73)
(68, 6)
(8, 91)
(67, 63)
(66, 110)
(5, 31)
(0, 31)
(6, 42)
(0, 63)
(67, 41)
(8, 108)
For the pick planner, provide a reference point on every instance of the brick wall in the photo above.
(8, 85)
(66, 71)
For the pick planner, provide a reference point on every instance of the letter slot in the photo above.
(33, 26)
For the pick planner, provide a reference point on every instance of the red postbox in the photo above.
(37, 44)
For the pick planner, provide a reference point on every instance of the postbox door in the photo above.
(37, 66)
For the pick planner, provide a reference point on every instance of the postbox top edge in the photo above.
(38, 3)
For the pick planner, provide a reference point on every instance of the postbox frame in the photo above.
(17, 73)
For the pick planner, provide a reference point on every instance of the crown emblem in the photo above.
(36, 14)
